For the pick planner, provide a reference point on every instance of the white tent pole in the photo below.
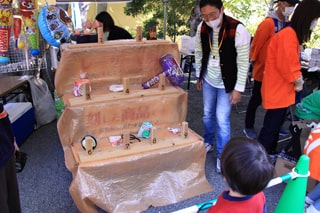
(165, 18)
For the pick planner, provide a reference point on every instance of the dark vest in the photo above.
(227, 52)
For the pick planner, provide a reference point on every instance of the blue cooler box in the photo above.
(22, 118)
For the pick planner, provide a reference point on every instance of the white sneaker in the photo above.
(209, 147)
(312, 209)
(218, 169)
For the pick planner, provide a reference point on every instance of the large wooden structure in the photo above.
(132, 176)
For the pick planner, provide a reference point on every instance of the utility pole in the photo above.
(165, 18)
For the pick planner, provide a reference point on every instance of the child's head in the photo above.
(246, 166)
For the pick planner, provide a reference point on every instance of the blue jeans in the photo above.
(216, 116)
(314, 195)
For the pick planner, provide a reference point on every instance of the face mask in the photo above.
(287, 12)
(313, 24)
(215, 23)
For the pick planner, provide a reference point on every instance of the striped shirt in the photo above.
(242, 45)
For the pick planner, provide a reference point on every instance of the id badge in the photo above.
(214, 62)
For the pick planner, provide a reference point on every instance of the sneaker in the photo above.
(209, 147)
(284, 132)
(250, 133)
(218, 169)
(273, 158)
(312, 209)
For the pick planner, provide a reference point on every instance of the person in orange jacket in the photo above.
(282, 76)
(273, 23)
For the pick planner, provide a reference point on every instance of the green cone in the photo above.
(293, 196)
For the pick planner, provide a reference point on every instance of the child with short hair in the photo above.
(247, 169)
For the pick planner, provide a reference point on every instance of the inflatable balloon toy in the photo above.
(171, 69)
(5, 30)
(29, 13)
(55, 25)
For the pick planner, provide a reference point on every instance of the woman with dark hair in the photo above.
(246, 168)
(276, 19)
(110, 30)
(282, 76)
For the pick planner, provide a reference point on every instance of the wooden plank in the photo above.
(137, 93)
(126, 42)
(105, 151)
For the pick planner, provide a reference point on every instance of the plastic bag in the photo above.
(43, 103)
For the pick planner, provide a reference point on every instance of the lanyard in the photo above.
(210, 39)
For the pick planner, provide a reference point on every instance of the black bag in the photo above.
(21, 159)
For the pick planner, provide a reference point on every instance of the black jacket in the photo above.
(6, 138)
(119, 33)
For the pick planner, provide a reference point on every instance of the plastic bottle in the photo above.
(59, 105)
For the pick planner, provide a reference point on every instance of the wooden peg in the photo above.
(88, 145)
(126, 140)
(162, 81)
(100, 35)
(184, 129)
(126, 82)
(87, 94)
(153, 135)
(139, 33)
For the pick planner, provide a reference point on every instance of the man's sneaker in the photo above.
(250, 133)
(209, 147)
(218, 169)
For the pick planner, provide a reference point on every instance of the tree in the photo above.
(178, 13)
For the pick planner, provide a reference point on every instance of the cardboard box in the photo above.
(283, 166)
(22, 118)
(79, 39)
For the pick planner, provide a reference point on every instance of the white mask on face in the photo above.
(287, 12)
(214, 24)
(313, 24)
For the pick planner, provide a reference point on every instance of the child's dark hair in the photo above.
(246, 166)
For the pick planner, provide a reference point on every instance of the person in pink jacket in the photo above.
(282, 76)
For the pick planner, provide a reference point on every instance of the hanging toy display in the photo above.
(55, 25)
(29, 12)
(17, 24)
(5, 29)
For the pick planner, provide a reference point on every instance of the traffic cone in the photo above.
(292, 198)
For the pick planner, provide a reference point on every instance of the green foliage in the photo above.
(178, 13)
(249, 12)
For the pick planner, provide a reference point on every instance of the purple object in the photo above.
(171, 69)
